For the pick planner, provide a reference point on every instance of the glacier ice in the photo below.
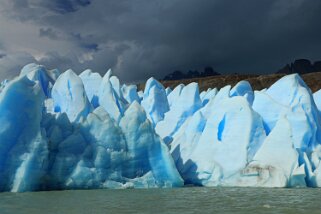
(171, 97)
(270, 167)
(146, 150)
(69, 96)
(91, 81)
(23, 148)
(182, 107)
(155, 101)
(39, 73)
(3, 84)
(208, 95)
(243, 88)
(69, 131)
(77, 145)
(317, 99)
(168, 90)
(215, 149)
(130, 93)
(109, 99)
(291, 97)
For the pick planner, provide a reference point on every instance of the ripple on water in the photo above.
(180, 200)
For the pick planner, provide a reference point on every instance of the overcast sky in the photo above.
(143, 38)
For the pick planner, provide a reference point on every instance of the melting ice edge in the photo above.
(64, 131)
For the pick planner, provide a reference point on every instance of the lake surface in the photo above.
(180, 200)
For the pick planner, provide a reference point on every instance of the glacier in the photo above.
(60, 130)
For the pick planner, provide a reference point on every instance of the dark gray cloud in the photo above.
(56, 6)
(64, 6)
(145, 38)
(48, 32)
(52, 59)
(11, 64)
(85, 42)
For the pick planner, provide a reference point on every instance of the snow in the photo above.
(69, 131)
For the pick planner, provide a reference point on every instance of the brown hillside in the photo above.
(258, 82)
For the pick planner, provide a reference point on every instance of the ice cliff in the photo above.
(69, 131)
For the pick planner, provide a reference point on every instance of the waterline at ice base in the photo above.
(67, 131)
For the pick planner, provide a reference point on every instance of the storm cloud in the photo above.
(142, 38)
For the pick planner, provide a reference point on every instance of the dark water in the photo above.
(181, 200)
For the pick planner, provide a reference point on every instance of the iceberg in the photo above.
(270, 167)
(130, 93)
(67, 131)
(290, 97)
(155, 101)
(23, 148)
(146, 150)
(183, 107)
(317, 99)
(69, 96)
(216, 146)
(171, 97)
(76, 146)
(243, 88)
(91, 81)
(168, 90)
(39, 73)
(110, 100)
(208, 95)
